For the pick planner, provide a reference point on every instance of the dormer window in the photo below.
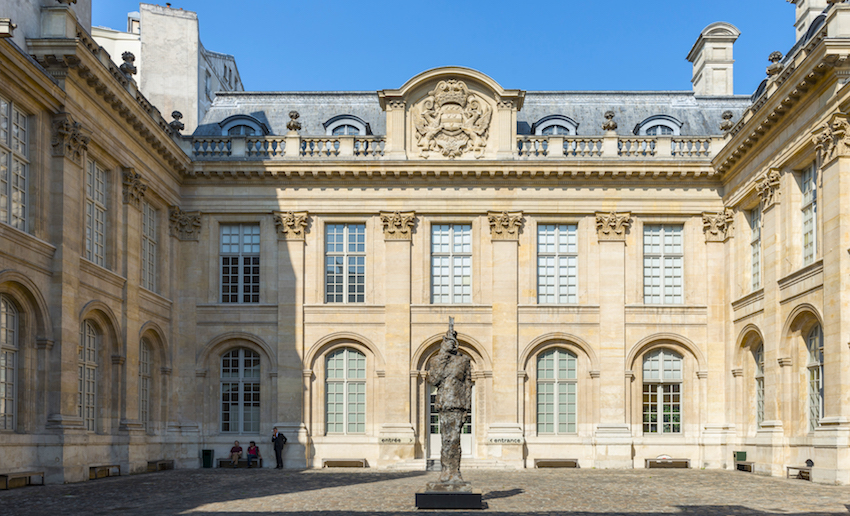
(555, 125)
(659, 125)
(346, 125)
(242, 125)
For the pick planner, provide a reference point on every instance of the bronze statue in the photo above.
(451, 374)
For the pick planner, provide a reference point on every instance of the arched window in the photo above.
(87, 375)
(758, 357)
(342, 125)
(555, 130)
(241, 130)
(658, 125)
(814, 343)
(240, 391)
(662, 392)
(556, 392)
(8, 363)
(344, 130)
(346, 392)
(554, 125)
(145, 382)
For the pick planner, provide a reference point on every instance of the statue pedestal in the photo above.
(439, 495)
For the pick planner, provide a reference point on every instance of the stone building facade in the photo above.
(633, 274)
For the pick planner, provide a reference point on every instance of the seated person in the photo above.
(253, 453)
(235, 453)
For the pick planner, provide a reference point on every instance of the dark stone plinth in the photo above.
(449, 499)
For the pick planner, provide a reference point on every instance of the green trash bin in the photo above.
(207, 457)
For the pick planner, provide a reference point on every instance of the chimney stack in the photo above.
(712, 58)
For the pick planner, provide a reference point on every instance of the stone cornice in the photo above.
(608, 171)
(93, 67)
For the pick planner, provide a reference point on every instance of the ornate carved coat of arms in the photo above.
(452, 121)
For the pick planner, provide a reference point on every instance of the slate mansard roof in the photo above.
(700, 116)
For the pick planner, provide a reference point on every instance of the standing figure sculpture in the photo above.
(451, 374)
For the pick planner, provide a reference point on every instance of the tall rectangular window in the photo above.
(556, 392)
(810, 214)
(662, 264)
(345, 263)
(240, 391)
(8, 363)
(755, 247)
(14, 165)
(662, 392)
(87, 376)
(557, 263)
(148, 247)
(240, 263)
(96, 214)
(451, 263)
(144, 382)
(345, 384)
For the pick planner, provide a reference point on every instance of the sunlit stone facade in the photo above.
(633, 274)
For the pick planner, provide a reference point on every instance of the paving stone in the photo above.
(333, 492)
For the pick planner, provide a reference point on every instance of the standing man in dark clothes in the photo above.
(279, 440)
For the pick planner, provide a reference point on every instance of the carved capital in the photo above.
(784, 361)
(68, 138)
(832, 139)
(398, 225)
(291, 225)
(505, 225)
(184, 225)
(737, 373)
(718, 227)
(613, 226)
(768, 187)
(134, 189)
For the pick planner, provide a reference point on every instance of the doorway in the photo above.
(433, 422)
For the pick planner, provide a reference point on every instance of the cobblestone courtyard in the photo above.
(339, 492)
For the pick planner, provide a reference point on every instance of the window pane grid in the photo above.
(240, 263)
(87, 371)
(14, 165)
(663, 264)
(662, 392)
(144, 382)
(240, 391)
(148, 247)
(8, 363)
(95, 214)
(557, 263)
(345, 263)
(809, 215)
(755, 247)
(556, 392)
(814, 343)
(451, 263)
(345, 392)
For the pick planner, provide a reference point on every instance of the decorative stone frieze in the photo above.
(452, 121)
(832, 139)
(133, 189)
(293, 124)
(718, 227)
(505, 104)
(68, 138)
(184, 225)
(768, 187)
(395, 104)
(609, 124)
(613, 226)
(505, 225)
(291, 225)
(398, 225)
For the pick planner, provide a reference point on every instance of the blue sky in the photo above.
(557, 45)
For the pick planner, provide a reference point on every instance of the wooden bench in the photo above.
(742, 465)
(241, 463)
(344, 463)
(667, 463)
(160, 465)
(6, 477)
(803, 472)
(103, 470)
(555, 463)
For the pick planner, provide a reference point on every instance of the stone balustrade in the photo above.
(372, 147)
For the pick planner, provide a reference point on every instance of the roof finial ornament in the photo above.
(776, 66)
(293, 124)
(727, 123)
(176, 124)
(128, 67)
(609, 124)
